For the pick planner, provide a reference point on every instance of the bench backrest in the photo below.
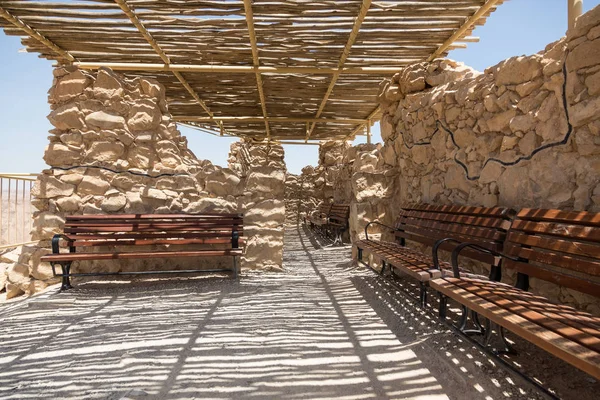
(339, 214)
(323, 210)
(426, 223)
(562, 247)
(151, 229)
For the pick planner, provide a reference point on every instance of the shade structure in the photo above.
(242, 67)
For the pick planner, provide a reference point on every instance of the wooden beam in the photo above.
(237, 69)
(270, 119)
(16, 21)
(371, 118)
(256, 62)
(366, 4)
(163, 56)
(466, 26)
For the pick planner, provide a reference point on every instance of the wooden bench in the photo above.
(551, 245)
(440, 227)
(182, 235)
(319, 217)
(338, 221)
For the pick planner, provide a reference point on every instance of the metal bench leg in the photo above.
(66, 279)
(383, 265)
(235, 270)
(464, 319)
(505, 347)
(360, 253)
(423, 294)
(443, 307)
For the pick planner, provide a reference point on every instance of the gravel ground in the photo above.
(324, 329)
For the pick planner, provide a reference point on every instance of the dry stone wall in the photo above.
(502, 137)
(262, 170)
(115, 149)
(524, 133)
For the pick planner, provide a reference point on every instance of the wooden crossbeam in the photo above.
(271, 119)
(163, 56)
(256, 62)
(16, 21)
(238, 69)
(466, 26)
(370, 119)
(366, 4)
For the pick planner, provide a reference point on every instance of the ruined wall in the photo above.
(262, 170)
(525, 133)
(115, 149)
(502, 137)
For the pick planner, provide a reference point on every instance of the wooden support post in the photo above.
(369, 132)
(575, 11)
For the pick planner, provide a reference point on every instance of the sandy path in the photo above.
(322, 330)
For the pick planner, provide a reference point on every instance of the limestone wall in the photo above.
(115, 149)
(502, 137)
(263, 173)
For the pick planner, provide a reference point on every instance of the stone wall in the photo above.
(524, 133)
(262, 170)
(502, 137)
(115, 149)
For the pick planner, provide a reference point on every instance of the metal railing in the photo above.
(15, 208)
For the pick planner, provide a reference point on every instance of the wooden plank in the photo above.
(499, 212)
(554, 276)
(110, 223)
(588, 266)
(139, 254)
(487, 292)
(565, 230)
(151, 216)
(570, 246)
(152, 235)
(569, 217)
(465, 230)
(573, 353)
(489, 222)
(150, 242)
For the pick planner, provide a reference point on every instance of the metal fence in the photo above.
(15, 208)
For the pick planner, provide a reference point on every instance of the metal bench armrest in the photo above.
(462, 246)
(377, 223)
(56, 242)
(435, 251)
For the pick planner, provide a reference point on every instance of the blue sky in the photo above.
(518, 27)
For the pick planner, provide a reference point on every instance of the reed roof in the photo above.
(294, 69)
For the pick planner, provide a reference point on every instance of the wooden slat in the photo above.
(587, 266)
(555, 276)
(571, 217)
(464, 230)
(152, 235)
(148, 216)
(487, 292)
(475, 220)
(139, 254)
(499, 212)
(572, 352)
(564, 230)
(574, 247)
(151, 242)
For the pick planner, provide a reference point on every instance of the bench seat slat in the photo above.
(486, 290)
(139, 254)
(570, 351)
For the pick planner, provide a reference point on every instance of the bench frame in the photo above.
(65, 263)
(558, 243)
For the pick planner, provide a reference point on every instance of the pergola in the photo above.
(294, 70)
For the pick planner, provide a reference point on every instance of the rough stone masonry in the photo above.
(115, 149)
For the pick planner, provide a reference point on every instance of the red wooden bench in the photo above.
(556, 246)
(438, 227)
(115, 237)
(337, 222)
